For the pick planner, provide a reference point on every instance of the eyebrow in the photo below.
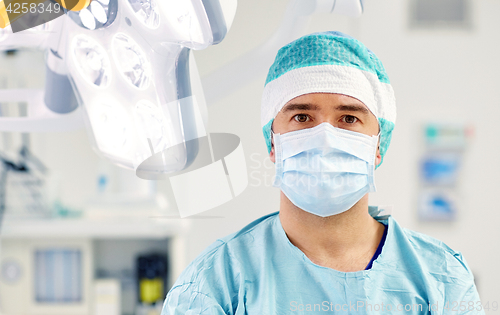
(344, 108)
(292, 107)
(353, 108)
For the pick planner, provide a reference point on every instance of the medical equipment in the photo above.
(128, 64)
(54, 276)
(152, 273)
(325, 170)
(438, 204)
(442, 158)
(440, 14)
(107, 297)
(22, 186)
(108, 250)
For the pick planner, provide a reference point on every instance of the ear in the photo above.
(378, 156)
(272, 157)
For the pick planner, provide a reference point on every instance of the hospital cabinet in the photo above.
(83, 266)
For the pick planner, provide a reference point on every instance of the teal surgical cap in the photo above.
(329, 62)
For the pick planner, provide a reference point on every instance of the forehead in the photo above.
(326, 101)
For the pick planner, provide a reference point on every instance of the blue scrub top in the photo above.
(258, 271)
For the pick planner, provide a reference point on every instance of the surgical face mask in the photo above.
(325, 170)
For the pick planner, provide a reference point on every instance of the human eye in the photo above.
(349, 119)
(301, 118)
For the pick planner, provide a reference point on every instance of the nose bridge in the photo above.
(328, 116)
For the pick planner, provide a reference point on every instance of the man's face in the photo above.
(341, 111)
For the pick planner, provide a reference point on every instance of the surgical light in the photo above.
(35, 37)
(188, 23)
(150, 124)
(131, 61)
(3, 34)
(111, 127)
(87, 19)
(42, 28)
(146, 12)
(156, 103)
(74, 5)
(92, 61)
(99, 14)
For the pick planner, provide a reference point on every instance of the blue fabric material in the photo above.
(326, 48)
(379, 249)
(386, 128)
(267, 135)
(258, 271)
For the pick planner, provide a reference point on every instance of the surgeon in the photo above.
(328, 112)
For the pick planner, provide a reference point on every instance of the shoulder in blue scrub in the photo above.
(258, 271)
